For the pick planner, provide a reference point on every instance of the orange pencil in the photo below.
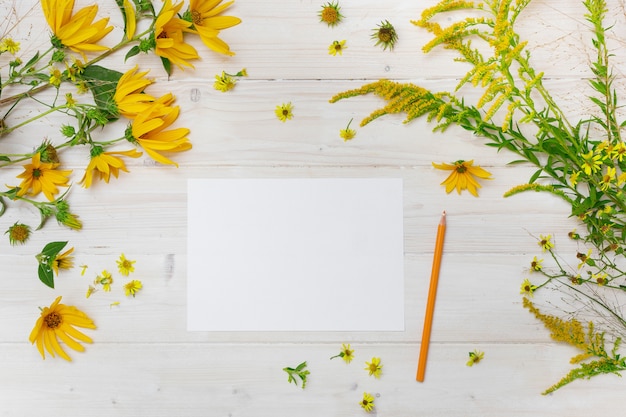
(430, 304)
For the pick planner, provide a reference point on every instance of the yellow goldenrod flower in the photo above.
(208, 22)
(103, 164)
(347, 133)
(224, 82)
(148, 130)
(462, 176)
(125, 266)
(58, 322)
(346, 353)
(129, 95)
(132, 287)
(10, 46)
(527, 288)
(284, 112)
(63, 261)
(374, 367)
(475, 357)
(385, 35)
(168, 35)
(545, 242)
(330, 13)
(18, 233)
(592, 163)
(367, 403)
(41, 176)
(78, 32)
(105, 279)
(337, 47)
(535, 264)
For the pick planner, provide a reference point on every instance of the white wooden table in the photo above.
(143, 362)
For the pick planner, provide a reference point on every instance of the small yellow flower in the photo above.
(600, 279)
(125, 266)
(385, 35)
(535, 264)
(105, 279)
(374, 367)
(56, 77)
(592, 163)
(583, 258)
(347, 133)
(330, 13)
(284, 112)
(367, 403)
(475, 357)
(129, 97)
(573, 235)
(70, 101)
(42, 177)
(168, 35)
(58, 322)
(573, 178)
(63, 261)
(462, 176)
(18, 233)
(619, 151)
(527, 288)
(224, 82)
(346, 353)
(545, 242)
(607, 178)
(337, 47)
(132, 287)
(10, 46)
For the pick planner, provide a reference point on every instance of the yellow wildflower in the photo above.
(56, 77)
(607, 178)
(41, 176)
(545, 242)
(367, 403)
(527, 288)
(583, 258)
(385, 35)
(347, 133)
(224, 82)
(284, 112)
(105, 279)
(592, 163)
(132, 287)
(337, 47)
(462, 177)
(475, 357)
(18, 233)
(330, 13)
(125, 266)
(78, 32)
(10, 46)
(573, 178)
(535, 264)
(374, 367)
(600, 279)
(208, 22)
(168, 35)
(103, 164)
(129, 95)
(346, 353)
(63, 261)
(58, 322)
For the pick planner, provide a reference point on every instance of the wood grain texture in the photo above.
(145, 363)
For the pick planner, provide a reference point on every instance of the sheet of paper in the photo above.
(295, 255)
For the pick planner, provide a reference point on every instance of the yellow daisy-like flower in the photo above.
(168, 35)
(619, 151)
(607, 178)
(56, 77)
(346, 353)
(337, 47)
(330, 13)
(125, 266)
(583, 258)
(63, 261)
(129, 96)
(224, 82)
(347, 133)
(208, 22)
(18, 233)
(41, 176)
(545, 242)
(132, 287)
(148, 130)
(105, 279)
(367, 403)
(462, 177)
(573, 178)
(600, 279)
(10, 46)
(527, 288)
(284, 112)
(535, 264)
(591, 162)
(103, 164)
(475, 357)
(78, 32)
(58, 322)
(374, 367)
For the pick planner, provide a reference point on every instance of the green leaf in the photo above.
(5, 158)
(132, 52)
(3, 206)
(167, 65)
(535, 176)
(46, 275)
(52, 249)
(102, 82)
(31, 61)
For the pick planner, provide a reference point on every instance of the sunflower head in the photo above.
(18, 233)
(330, 13)
(385, 35)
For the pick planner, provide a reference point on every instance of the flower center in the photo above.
(461, 169)
(285, 112)
(36, 173)
(329, 15)
(53, 320)
(196, 17)
(385, 35)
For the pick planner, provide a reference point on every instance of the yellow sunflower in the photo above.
(207, 23)
(129, 96)
(58, 322)
(103, 164)
(41, 176)
(148, 130)
(63, 261)
(168, 35)
(78, 32)
(462, 177)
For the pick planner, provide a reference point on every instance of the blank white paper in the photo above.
(295, 255)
